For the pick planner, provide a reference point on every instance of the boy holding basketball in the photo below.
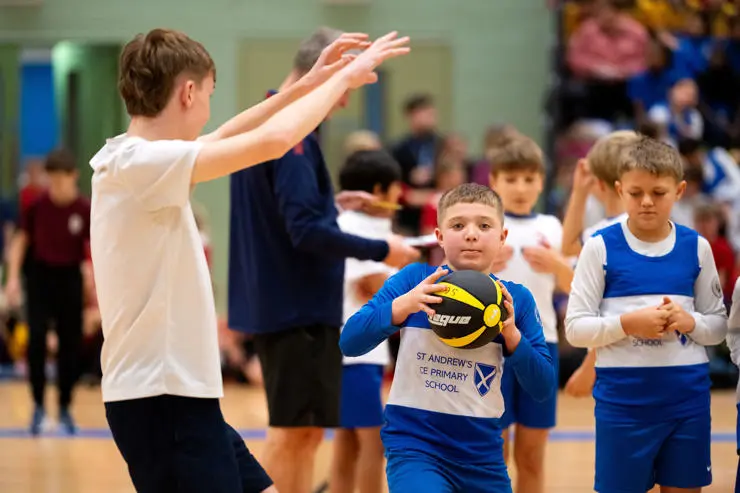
(646, 296)
(442, 430)
(531, 257)
(358, 450)
(160, 359)
(596, 175)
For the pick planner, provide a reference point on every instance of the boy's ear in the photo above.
(492, 181)
(440, 238)
(377, 189)
(618, 187)
(504, 235)
(680, 189)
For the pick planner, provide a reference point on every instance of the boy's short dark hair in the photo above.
(470, 193)
(310, 48)
(693, 175)
(649, 129)
(363, 170)
(653, 156)
(150, 64)
(417, 102)
(519, 153)
(689, 146)
(60, 161)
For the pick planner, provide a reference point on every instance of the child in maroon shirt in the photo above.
(708, 220)
(55, 232)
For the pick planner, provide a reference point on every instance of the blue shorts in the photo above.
(361, 404)
(521, 408)
(416, 472)
(633, 457)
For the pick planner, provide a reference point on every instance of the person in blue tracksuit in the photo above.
(442, 431)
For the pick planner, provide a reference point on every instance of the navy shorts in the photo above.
(673, 453)
(411, 471)
(362, 403)
(182, 444)
(521, 408)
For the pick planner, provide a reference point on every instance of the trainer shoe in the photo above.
(67, 422)
(38, 420)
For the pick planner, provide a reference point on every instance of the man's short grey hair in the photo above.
(310, 48)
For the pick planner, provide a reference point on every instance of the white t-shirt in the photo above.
(153, 284)
(607, 221)
(533, 231)
(376, 228)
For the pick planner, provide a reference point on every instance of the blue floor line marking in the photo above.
(259, 434)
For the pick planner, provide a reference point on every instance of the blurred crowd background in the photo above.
(563, 72)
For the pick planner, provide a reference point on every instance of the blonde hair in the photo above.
(518, 153)
(606, 154)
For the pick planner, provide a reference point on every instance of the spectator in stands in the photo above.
(720, 171)
(733, 45)
(651, 86)
(679, 118)
(719, 99)
(694, 42)
(604, 52)
(416, 154)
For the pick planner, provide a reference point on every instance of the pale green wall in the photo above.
(500, 52)
(99, 105)
(9, 124)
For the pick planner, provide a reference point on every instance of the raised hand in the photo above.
(361, 70)
(335, 57)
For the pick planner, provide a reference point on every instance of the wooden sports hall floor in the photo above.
(89, 463)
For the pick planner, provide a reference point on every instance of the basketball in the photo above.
(472, 310)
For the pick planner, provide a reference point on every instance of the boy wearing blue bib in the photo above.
(647, 297)
(442, 431)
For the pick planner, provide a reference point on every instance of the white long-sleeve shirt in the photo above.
(616, 274)
(733, 330)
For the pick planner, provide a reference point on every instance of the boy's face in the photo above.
(648, 199)
(519, 190)
(471, 236)
(62, 181)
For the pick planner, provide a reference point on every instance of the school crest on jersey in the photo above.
(483, 378)
(75, 224)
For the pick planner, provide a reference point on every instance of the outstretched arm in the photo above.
(332, 59)
(404, 294)
(289, 126)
